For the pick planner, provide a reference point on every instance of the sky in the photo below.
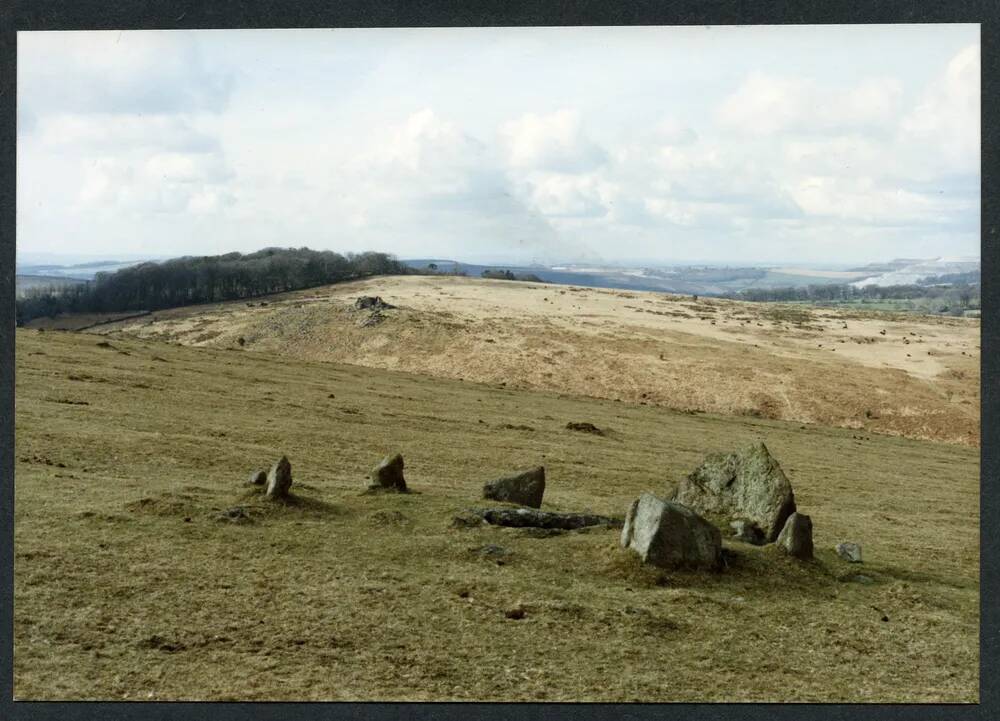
(811, 144)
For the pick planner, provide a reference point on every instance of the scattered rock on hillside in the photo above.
(528, 517)
(796, 537)
(279, 479)
(388, 475)
(748, 532)
(585, 428)
(258, 478)
(525, 488)
(669, 535)
(748, 484)
(515, 613)
(849, 552)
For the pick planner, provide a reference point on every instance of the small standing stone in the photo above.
(258, 478)
(279, 480)
(388, 474)
(849, 551)
(796, 536)
(525, 488)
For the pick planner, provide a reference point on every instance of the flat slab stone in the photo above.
(528, 517)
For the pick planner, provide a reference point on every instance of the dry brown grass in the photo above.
(720, 356)
(343, 596)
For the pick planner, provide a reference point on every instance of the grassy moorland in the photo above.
(128, 587)
(909, 375)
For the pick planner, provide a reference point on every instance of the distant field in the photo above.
(126, 587)
(25, 282)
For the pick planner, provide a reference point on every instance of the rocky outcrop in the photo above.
(669, 535)
(525, 488)
(746, 485)
(368, 302)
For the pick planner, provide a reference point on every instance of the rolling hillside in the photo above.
(909, 375)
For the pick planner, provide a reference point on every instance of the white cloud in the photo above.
(767, 104)
(945, 124)
(80, 132)
(382, 140)
(555, 142)
(132, 72)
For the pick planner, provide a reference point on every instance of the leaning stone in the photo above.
(796, 537)
(279, 480)
(747, 531)
(748, 484)
(388, 474)
(258, 478)
(670, 535)
(849, 552)
(525, 488)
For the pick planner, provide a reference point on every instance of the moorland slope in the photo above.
(910, 375)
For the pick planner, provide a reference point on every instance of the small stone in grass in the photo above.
(515, 613)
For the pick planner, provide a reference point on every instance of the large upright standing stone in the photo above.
(525, 488)
(748, 485)
(388, 474)
(796, 538)
(279, 479)
(668, 535)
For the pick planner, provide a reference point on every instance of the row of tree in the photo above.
(207, 279)
(509, 275)
(961, 296)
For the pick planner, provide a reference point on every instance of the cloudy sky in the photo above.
(741, 144)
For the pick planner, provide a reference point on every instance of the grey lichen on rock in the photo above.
(525, 488)
(669, 535)
(258, 478)
(279, 479)
(748, 484)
